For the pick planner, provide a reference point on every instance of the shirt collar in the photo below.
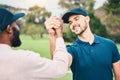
(96, 40)
(4, 46)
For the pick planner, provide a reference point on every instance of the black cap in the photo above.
(6, 18)
(77, 11)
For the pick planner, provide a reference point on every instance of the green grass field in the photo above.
(41, 46)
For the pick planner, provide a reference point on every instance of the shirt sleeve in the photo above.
(70, 50)
(116, 55)
(38, 67)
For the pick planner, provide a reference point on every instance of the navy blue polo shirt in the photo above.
(93, 62)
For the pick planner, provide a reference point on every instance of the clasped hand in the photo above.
(54, 26)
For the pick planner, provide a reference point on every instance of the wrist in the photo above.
(59, 35)
(51, 36)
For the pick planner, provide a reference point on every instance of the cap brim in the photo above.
(67, 15)
(17, 16)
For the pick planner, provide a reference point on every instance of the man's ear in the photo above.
(87, 18)
(9, 29)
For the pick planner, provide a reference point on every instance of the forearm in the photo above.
(59, 65)
(117, 75)
(61, 55)
(52, 44)
(116, 70)
(117, 78)
(43, 68)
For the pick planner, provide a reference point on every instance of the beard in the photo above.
(85, 27)
(83, 30)
(16, 42)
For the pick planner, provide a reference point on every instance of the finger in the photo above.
(53, 22)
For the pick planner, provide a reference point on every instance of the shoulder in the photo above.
(74, 44)
(28, 58)
(72, 48)
(26, 54)
(105, 40)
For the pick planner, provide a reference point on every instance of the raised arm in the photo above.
(54, 27)
(52, 40)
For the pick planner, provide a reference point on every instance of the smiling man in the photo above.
(92, 57)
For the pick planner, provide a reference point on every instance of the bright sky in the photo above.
(51, 5)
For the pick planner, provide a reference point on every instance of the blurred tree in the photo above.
(68, 34)
(36, 17)
(38, 13)
(112, 7)
(112, 21)
(13, 9)
(69, 4)
(96, 26)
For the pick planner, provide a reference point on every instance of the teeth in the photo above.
(76, 28)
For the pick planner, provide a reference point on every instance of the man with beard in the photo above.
(92, 57)
(27, 65)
